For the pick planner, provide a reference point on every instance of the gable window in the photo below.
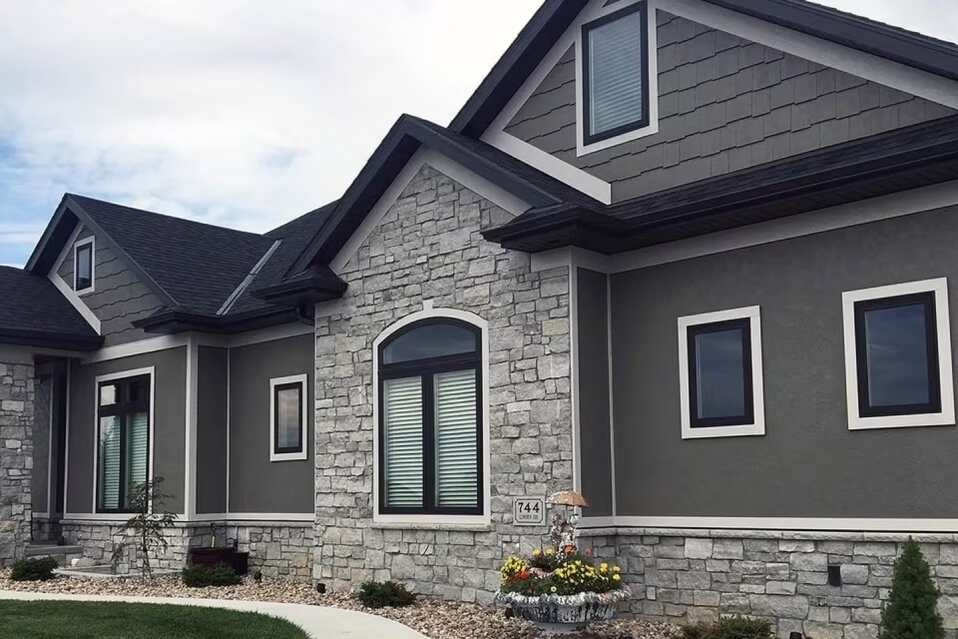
(615, 89)
(430, 416)
(720, 367)
(898, 356)
(83, 265)
(124, 422)
(288, 418)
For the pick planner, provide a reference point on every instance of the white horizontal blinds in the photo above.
(109, 458)
(615, 52)
(457, 467)
(137, 447)
(403, 412)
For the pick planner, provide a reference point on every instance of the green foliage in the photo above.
(205, 576)
(735, 627)
(551, 573)
(34, 569)
(911, 610)
(374, 594)
(147, 524)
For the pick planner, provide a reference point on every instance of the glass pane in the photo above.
(457, 456)
(289, 417)
(84, 266)
(138, 389)
(402, 404)
(137, 452)
(107, 395)
(431, 340)
(897, 355)
(108, 473)
(720, 374)
(615, 73)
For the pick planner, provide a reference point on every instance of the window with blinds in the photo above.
(615, 74)
(430, 420)
(123, 441)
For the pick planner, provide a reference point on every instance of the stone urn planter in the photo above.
(563, 614)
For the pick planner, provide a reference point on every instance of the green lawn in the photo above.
(101, 620)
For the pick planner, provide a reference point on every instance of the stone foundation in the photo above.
(779, 575)
(277, 550)
(16, 455)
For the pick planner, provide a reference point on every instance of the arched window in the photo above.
(430, 416)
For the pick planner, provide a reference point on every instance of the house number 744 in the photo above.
(529, 511)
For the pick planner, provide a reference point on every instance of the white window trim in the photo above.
(938, 286)
(303, 380)
(137, 372)
(418, 520)
(757, 427)
(651, 52)
(76, 246)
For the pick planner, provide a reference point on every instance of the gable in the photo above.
(119, 297)
(724, 104)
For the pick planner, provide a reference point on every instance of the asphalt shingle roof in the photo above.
(198, 265)
(32, 304)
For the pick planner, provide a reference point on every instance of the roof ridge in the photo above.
(166, 215)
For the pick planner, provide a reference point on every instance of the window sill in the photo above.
(428, 522)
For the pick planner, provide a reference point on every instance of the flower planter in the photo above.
(561, 614)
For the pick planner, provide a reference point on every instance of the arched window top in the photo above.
(430, 339)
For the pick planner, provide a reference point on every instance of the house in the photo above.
(689, 257)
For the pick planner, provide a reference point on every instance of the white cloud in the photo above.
(241, 112)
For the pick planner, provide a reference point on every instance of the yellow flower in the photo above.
(536, 552)
(603, 566)
(616, 577)
(616, 569)
(550, 551)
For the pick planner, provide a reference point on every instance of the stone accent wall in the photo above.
(428, 247)
(277, 550)
(16, 456)
(779, 575)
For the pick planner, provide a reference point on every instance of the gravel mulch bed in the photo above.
(435, 619)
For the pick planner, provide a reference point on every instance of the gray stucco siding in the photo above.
(119, 298)
(168, 424)
(593, 391)
(258, 485)
(808, 464)
(211, 425)
(724, 104)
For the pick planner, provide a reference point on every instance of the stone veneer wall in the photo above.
(779, 575)
(428, 247)
(16, 455)
(277, 550)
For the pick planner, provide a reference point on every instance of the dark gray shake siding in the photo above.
(168, 428)
(256, 484)
(211, 430)
(808, 464)
(593, 391)
(119, 299)
(724, 104)
(41, 443)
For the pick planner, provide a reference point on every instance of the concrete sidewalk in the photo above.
(319, 622)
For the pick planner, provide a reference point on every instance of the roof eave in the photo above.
(49, 339)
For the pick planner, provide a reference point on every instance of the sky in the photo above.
(243, 113)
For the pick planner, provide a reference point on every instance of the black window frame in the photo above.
(934, 405)
(588, 137)
(744, 325)
(82, 247)
(122, 408)
(301, 387)
(427, 369)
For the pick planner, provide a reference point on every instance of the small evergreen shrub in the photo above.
(40, 569)
(911, 610)
(374, 594)
(734, 627)
(205, 576)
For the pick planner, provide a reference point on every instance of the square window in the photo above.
(720, 374)
(288, 418)
(614, 69)
(898, 356)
